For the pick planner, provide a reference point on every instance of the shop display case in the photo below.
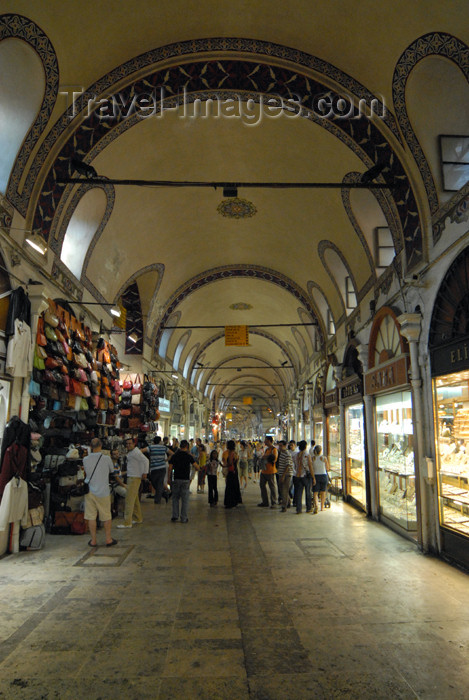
(335, 459)
(355, 453)
(395, 459)
(452, 431)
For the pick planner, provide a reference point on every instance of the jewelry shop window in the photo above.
(355, 464)
(395, 452)
(451, 396)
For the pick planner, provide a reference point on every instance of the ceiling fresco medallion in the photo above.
(236, 208)
(241, 306)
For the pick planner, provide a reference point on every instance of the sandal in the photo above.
(111, 543)
(92, 545)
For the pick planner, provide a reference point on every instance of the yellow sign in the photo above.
(229, 416)
(236, 335)
(121, 321)
(247, 399)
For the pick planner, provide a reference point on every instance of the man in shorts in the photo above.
(98, 468)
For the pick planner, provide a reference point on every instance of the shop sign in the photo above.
(452, 357)
(351, 390)
(164, 406)
(236, 335)
(388, 376)
(331, 399)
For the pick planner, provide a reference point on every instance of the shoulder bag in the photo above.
(86, 483)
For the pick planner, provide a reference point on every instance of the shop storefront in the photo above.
(449, 346)
(387, 381)
(165, 416)
(334, 454)
(351, 401)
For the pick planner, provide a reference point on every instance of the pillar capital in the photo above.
(411, 325)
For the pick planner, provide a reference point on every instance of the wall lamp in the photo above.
(37, 242)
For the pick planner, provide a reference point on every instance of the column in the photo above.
(370, 438)
(410, 329)
(295, 406)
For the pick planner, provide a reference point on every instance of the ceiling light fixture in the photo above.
(37, 242)
(133, 337)
(115, 311)
(175, 376)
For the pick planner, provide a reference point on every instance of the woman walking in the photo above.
(232, 490)
(321, 468)
(202, 468)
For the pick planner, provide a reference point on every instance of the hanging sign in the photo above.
(236, 335)
(247, 400)
(121, 321)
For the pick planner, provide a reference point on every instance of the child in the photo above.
(212, 469)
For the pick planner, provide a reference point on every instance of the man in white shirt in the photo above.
(137, 469)
(97, 468)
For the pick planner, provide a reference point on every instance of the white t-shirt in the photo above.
(319, 465)
(99, 484)
(137, 463)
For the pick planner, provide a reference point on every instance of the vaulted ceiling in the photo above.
(285, 260)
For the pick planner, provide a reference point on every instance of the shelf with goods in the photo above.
(138, 405)
(452, 430)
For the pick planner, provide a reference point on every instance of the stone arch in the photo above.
(329, 245)
(249, 77)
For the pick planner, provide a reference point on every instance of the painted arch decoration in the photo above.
(250, 78)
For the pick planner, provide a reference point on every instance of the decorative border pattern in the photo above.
(154, 267)
(432, 44)
(227, 272)
(457, 209)
(18, 27)
(64, 277)
(322, 247)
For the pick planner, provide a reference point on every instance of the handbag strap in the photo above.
(88, 482)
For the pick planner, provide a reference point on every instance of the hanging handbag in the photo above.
(136, 399)
(51, 319)
(136, 410)
(136, 386)
(38, 362)
(127, 384)
(126, 412)
(40, 335)
(34, 388)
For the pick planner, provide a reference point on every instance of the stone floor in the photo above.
(246, 603)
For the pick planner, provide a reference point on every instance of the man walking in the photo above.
(182, 462)
(158, 466)
(268, 474)
(98, 468)
(137, 469)
(285, 473)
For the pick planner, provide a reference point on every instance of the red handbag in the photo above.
(127, 384)
(126, 412)
(136, 386)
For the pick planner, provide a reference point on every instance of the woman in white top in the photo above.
(321, 467)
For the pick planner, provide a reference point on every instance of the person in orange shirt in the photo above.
(268, 471)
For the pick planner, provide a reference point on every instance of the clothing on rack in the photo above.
(20, 351)
(19, 308)
(14, 464)
(19, 432)
(14, 505)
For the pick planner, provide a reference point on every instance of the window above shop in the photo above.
(454, 153)
(383, 247)
(350, 296)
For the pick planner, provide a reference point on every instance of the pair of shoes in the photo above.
(92, 545)
(173, 520)
(124, 526)
(310, 511)
(185, 521)
(262, 505)
(298, 512)
(273, 505)
(315, 510)
(111, 543)
(137, 522)
(284, 510)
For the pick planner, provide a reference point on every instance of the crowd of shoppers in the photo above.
(285, 472)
